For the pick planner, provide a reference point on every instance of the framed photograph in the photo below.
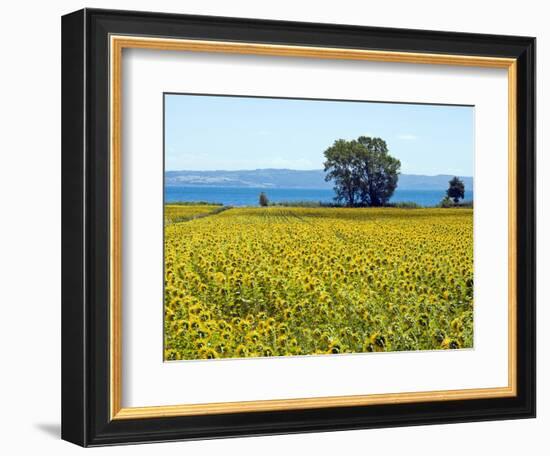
(279, 227)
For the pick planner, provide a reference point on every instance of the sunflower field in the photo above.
(280, 281)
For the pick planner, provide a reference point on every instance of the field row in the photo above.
(175, 213)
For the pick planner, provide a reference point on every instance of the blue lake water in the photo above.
(236, 196)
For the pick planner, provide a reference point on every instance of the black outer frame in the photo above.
(85, 227)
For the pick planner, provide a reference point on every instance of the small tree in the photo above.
(263, 199)
(456, 189)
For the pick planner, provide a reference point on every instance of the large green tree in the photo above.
(363, 171)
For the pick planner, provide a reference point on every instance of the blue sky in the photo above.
(232, 133)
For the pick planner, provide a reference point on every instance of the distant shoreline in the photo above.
(297, 179)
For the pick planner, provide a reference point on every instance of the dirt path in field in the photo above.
(199, 216)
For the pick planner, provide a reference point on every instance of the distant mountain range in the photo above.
(292, 178)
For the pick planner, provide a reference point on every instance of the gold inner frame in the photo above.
(117, 44)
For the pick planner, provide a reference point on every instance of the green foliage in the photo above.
(449, 203)
(264, 201)
(304, 203)
(363, 172)
(406, 205)
(456, 189)
(340, 168)
(446, 202)
(193, 203)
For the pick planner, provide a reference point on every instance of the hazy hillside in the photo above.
(289, 178)
(440, 181)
